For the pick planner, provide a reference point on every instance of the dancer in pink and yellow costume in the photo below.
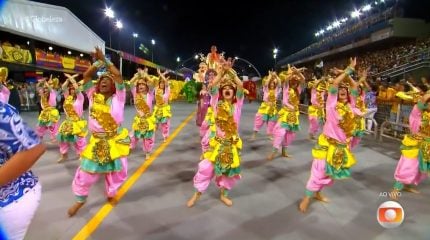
(4, 90)
(73, 130)
(332, 156)
(285, 129)
(109, 145)
(222, 160)
(316, 111)
(268, 112)
(144, 122)
(49, 116)
(162, 108)
(361, 109)
(414, 164)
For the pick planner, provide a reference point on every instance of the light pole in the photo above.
(275, 53)
(119, 25)
(135, 35)
(152, 51)
(110, 14)
(178, 60)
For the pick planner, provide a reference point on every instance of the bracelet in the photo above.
(349, 71)
(98, 64)
(108, 62)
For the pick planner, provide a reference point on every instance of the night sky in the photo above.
(247, 29)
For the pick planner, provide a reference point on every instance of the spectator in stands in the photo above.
(372, 108)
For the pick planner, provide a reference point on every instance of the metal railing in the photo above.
(423, 60)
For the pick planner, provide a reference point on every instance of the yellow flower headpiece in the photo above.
(106, 75)
(55, 83)
(228, 79)
(344, 85)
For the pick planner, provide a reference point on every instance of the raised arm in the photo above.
(347, 72)
(65, 84)
(163, 74)
(238, 82)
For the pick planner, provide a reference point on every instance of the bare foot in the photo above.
(321, 198)
(304, 204)
(285, 154)
(147, 156)
(111, 200)
(62, 158)
(271, 156)
(193, 199)
(165, 140)
(226, 200)
(311, 137)
(411, 190)
(270, 137)
(253, 137)
(75, 208)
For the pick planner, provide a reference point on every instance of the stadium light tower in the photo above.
(355, 14)
(118, 24)
(110, 14)
(135, 35)
(366, 8)
(152, 52)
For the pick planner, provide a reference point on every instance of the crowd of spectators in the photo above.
(352, 27)
(378, 61)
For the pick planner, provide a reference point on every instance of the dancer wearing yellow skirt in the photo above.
(162, 108)
(144, 122)
(73, 130)
(106, 153)
(49, 116)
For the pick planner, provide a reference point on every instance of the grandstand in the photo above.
(394, 49)
(382, 40)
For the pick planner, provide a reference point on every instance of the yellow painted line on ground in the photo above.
(104, 211)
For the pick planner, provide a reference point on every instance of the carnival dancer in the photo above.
(285, 129)
(360, 109)
(49, 116)
(316, 111)
(414, 164)
(268, 112)
(213, 58)
(202, 105)
(144, 122)
(203, 118)
(332, 156)
(222, 161)
(200, 75)
(162, 108)
(4, 90)
(73, 130)
(109, 145)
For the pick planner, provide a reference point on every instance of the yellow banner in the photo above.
(68, 63)
(12, 54)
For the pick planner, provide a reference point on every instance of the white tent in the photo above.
(48, 23)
